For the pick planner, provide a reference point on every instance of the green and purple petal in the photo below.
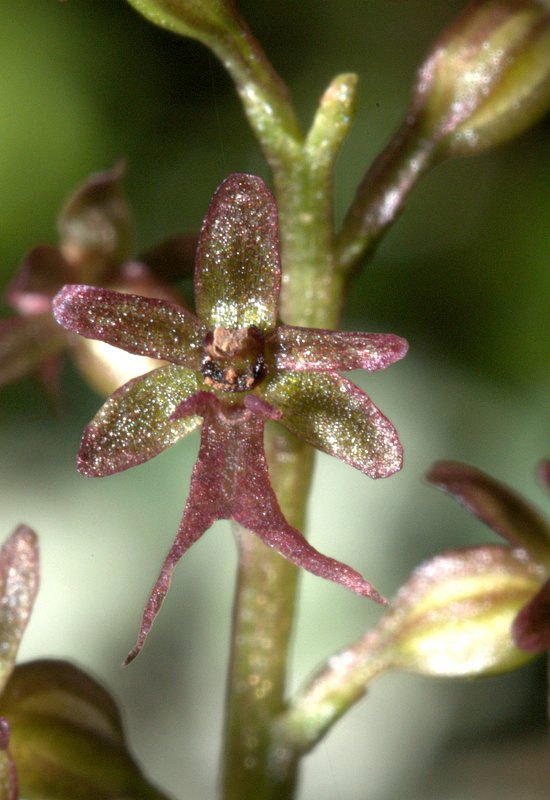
(26, 343)
(238, 271)
(135, 423)
(531, 628)
(230, 481)
(335, 416)
(502, 509)
(145, 326)
(316, 350)
(19, 578)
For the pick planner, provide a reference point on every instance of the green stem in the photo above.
(381, 195)
(262, 619)
(341, 683)
(266, 584)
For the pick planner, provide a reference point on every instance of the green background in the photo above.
(462, 275)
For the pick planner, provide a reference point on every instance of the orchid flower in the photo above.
(234, 367)
(95, 229)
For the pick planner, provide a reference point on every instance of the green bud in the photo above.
(488, 77)
(66, 737)
(454, 615)
(201, 19)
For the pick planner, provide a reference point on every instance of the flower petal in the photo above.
(230, 481)
(26, 343)
(238, 271)
(145, 326)
(334, 415)
(19, 576)
(320, 350)
(496, 505)
(531, 628)
(41, 274)
(134, 424)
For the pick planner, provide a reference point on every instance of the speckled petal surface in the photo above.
(238, 272)
(19, 577)
(332, 414)
(144, 326)
(321, 350)
(134, 424)
(498, 506)
(230, 481)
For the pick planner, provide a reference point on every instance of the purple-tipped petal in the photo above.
(531, 628)
(496, 505)
(142, 325)
(41, 275)
(19, 577)
(319, 350)
(230, 481)
(26, 343)
(135, 423)
(238, 272)
(335, 416)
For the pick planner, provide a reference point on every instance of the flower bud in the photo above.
(96, 227)
(66, 737)
(454, 615)
(487, 78)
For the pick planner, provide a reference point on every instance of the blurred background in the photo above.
(461, 275)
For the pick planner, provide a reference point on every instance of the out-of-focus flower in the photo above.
(480, 610)
(487, 78)
(61, 735)
(96, 235)
(527, 531)
(235, 367)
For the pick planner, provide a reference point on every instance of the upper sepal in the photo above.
(238, 270)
